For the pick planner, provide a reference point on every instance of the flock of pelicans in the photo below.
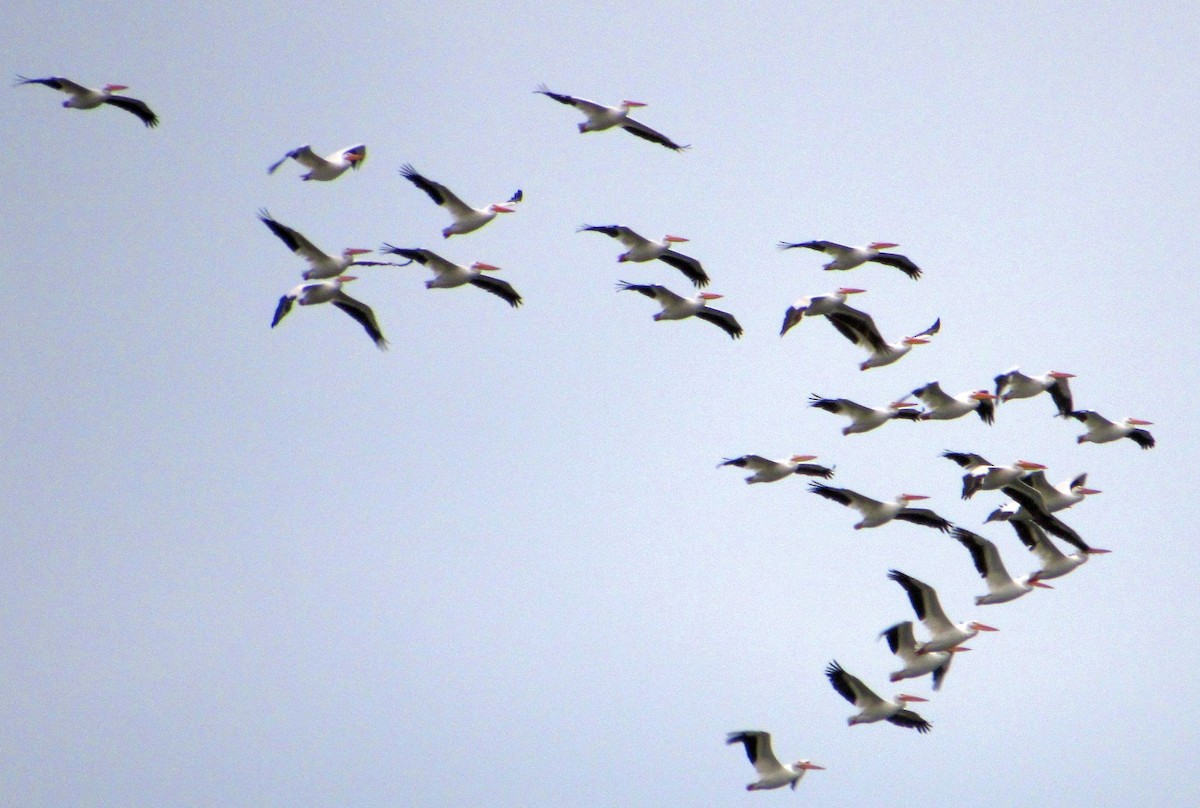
(1034, 501)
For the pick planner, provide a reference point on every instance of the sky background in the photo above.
(497, 565)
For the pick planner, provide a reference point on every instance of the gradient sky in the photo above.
(497, 565)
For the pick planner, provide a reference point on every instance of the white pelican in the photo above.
(925, 603)
(311, 293)
(643, 249)
(850, 257)
(864, 419)
(321, 265)
(904, 645)
(941, 407)
(1054, 497)
(601, 117)
(771, 773)
(859, 327)
(324, 169)
(1034, 509)
(1014, 384)
(675, 307)
(1055, 563)
(876, 513)
(1002, 587)
(769, 471)
(451, 275)
(466, 218)
(88, 98)
(815, 306)
(983, 476)
(1102, 430)
(871, 707)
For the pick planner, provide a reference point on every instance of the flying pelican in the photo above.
(1002, 587)
(872, 708)
(1054, 497)
(815, 306)
(321, 265)
(451, 275)
(983, 476)
(323, 169)
(88, 98)
(643, 249)
(1014, 384)
(769, 471)
(1102, 430)
(941, 407)
(864, 419)
(311, 293)
(601, 117)
(1030, 502)
(924, 600)
(904, 645)
(876, 513)
(675, 307)
(1055, 563)
(850, 257)
(771, 773)
(859, 327)
(466, 218)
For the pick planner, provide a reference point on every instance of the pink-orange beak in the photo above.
(483, 267)
(1030, 466)
(802, 458)
(501, 209)
(356, 251)
(915, 341)
(846, 291)
(906, 697)
(347, 278)
(1098, 551)
(805, 765)
(912, 497)
(982, 395)
(1057, 374)
(899, 404)
(982, 627)
(1089, 491)
(633, 104)
(675, 239)
(960, 648)
(112, 88)
(710, 296)
(1138, 422)
(882, 245)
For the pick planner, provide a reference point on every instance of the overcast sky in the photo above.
(497, 565)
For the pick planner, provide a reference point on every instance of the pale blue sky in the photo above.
(497, 565)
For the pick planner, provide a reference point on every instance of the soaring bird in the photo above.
(1002, 587)
(983, 476)
(324, 169)
(769, 471)
(871, 707)
(1055, 563)
(87, 98)
(1102, 430)
(321, 265)
(643, 249)
(876, 513)
(1014, 384)
(771, 773)
(601, 117)
(675, 307)
(904, 645)
(450, 275)
(815, 306)
(466, 218)
(925, 603)
(941, 407)
(864, 419)
(311, 293)
(859, 327)
(1054, 497)
(850, 257)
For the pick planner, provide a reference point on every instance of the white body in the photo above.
(924, 599)
(771, 773)
(942, 407)
(862, 419)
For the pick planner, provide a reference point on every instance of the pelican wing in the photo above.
(281, 311)
(439, 193)
(362, 313)
(910, 720)
(924, 600)
(660, 293)
(641, 130)
(828, 247)
(501, 289)
(589, 108)
(925, 518)
(302, 154)
(722, 319)
(688, 266)
(55, 83)
(135, 106)
(294, 240)
(758, 749)
(900, 262)
(858, 327)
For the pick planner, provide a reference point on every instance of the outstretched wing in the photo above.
(645, 132)
(722, 319)
(137, 107)
(501, 289)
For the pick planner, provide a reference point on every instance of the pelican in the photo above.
(675, 307)
(983, 476)
(1054, 497)
(1055, 563)
(87, 98)
(1002, 587)
(643, 249)
(1102, 430)
(1034, 509)
(850, 257)
(321, 265)
(876, 513)
(864, 419)
(904, 645)
(451, 275)
(1014, 384)
(466, 218)
(600, 117)
(815, 306)
(324, 169)
(771, 773)
(311, 293)
(872, 708)
(769, 471)
(925, 603)
(859, 327)
(941, 407)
